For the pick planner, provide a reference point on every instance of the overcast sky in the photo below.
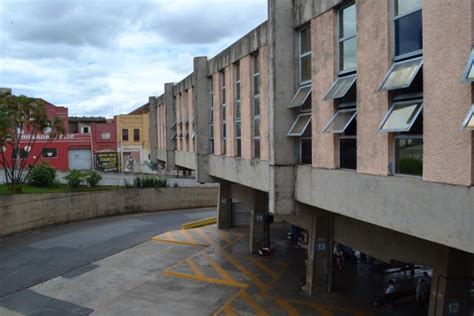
(105, 57)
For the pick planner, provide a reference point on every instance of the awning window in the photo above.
(340, 121)
(173, 125)
(401, 116)
(300, 97)
(401, 74)
(299, 126)
(469, 71)
(340, 87)
(469, 120)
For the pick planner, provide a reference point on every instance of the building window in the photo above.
(23, 154)
(105, 135)
(223, 114)
(85, 130)
(304, 39)
(401, 74)
(341, 87)
(125, 134)
(408, 32)
(49, 153)
(211, 119)
(300, 125)
(469, 120)
(401, 116)
(256, 106)
(237, 114)
(136, 134)
(347, 39)
(302, 96)
(302, 128)
(469, 70)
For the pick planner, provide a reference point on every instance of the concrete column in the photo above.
(153, 128)
(201, 118)
(319, 261)
(170, 118)
(224, 207)
(257, 221)
(282, 77)
(450, 284)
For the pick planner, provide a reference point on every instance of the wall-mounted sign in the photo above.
(107, 162)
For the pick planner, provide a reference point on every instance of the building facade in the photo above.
(350, 119)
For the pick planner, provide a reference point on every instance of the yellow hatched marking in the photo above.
(322, 310)
(169, 235)
(252, 303)
(224, 236)
(195, 268)
(178, 242)
(229, 311)
(187, 235)
(205, 279)
(217, 267)
(229, 301)
(287, 307)
(205, 237)
(262, 286)
(264, 267)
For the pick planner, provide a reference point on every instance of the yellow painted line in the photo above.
(217, 267)
(224, 236)
(262, 286)
(229, 311)
(252, 303)
(205, 237)
(178, 242)
(287, 307)
(187, 235)
(229, 301)
(195, 268)
(170, 236)
(322, 310)
(355, 311)
(199, 223)
(264, 267)
(205, 279)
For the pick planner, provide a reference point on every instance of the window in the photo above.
(105, 136)
(49, 153)
(304, 154)
(347, 39)
(469, 120)
(401, 116)
(125, 134)
(340, 121)
(301, 96)
(23, 154)
(211, 120)
(237, 114)
(136, 134)
(300, 125)
(401, 74)
(340, 87)
(408, 32)
(256, 107)
(85, 130)
(223, 114)
(469, 71)
(304, 37)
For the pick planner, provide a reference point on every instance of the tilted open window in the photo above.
(299, 126)
(401, 116)
(469, 71)
(469, 120)
(340, 121)
(340, 87)
(300, 97)
(401, 74)
(173, 125)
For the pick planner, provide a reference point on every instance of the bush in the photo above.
(74, 178)
(149, 182)
(42, 175)
(92, 178)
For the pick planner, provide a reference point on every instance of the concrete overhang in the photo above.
(185, 159)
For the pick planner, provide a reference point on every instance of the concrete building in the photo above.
(350, 119)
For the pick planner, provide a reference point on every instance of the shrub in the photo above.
(92, 178)
(149, 182)
(74, 178)
(42, 175)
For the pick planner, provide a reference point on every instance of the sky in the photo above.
(106, 57)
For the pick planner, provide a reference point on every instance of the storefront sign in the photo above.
(107, 162)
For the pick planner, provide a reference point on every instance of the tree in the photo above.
(22, 120)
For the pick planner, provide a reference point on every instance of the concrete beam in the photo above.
(153, 126)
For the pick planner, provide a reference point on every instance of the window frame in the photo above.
(301, 87)
(290, 134)
(419, 103)
(237, 105)
(343, 108)
(105, 133)
(302, 55)
(468, 117)
(467, 69)
(255, 118)
(410, 81)
(46, 157)
(393, 164)
(338, 79)
(395, 17)
(125, 137)
(223, 113)
(136, 134)
(343, 39)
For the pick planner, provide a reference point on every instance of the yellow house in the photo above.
(133, 140)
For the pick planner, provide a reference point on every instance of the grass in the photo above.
(28, 189)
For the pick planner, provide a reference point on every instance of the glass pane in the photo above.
(256, 106)
(237, 110)
(237, 129)
(340, 121)
(403, 6)
(305, 68)
(340, 87)
(256, 148)
(300, 96)
(409, 156)
(238, 149)
(256, 85)
(300, 125)
(237, 91)
(347, 21)
(211, 131)
(256, 66)
(408, 34)
(401, 117)
(470, 124)
(237, 72)
(305, 38)
(348, 54)
(305, 154)
(348, 153)
(402, 75)
(224, 130)
(256, 127)
(470, 76)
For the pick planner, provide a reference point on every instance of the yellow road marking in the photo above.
(250, 301)
(187, 235)
(217, 267)
(264, 267)
(224, 236)
(205, 237)
(205, 279)
(262, 286)
(195, 268)
(229, 311)
(287, 307)
(169, 235)
(178, 242)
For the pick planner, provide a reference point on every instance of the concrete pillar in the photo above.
(450, 285)
(201, 118)
(282, 77)
(257, 221)
(319, 261)
(224, 206)
(170, 117)
(153, 128)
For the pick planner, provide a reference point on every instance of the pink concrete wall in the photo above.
(323, 64)
(373, 48)
(245, 106)
(447, 38)
(264, 116)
